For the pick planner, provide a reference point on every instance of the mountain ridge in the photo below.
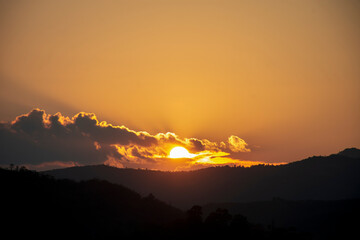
(332, 177)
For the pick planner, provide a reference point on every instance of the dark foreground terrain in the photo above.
(323, 219)
(38, 206)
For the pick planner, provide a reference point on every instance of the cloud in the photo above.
(36, 138)
(237, 144)
(41, 140)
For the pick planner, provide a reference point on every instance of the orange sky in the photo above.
(282, 75)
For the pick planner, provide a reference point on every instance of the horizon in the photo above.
(128, 149)
(212, 166)
(197, 169)
(95, 144)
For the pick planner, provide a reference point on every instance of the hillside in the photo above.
(323, 219)
(38, 205)
(331, 177)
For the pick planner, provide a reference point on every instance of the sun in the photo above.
(180, 152)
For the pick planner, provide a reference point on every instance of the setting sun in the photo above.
(146, 118)
(179, 152)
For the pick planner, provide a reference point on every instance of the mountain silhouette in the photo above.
(333, 177)
(323, 219)
(36, 205)
(350, 152)
(47, 207)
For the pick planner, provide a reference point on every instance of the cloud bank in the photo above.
(42, 141)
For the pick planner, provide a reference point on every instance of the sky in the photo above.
(248, 81)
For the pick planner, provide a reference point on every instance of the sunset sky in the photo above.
(231, 81)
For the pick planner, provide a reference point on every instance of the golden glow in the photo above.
(271, 72)
(140, 149)
(180, 152)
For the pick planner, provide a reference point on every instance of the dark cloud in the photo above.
(40, 139)
(36, 138)
(145, 155)
(31, 123)
(196, 145)
(108, 134)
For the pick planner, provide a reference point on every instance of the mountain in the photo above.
(331, 177)
(323, 219)
(35, 205)
(38, 206)
(350, 152)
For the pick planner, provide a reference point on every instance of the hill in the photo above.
(323, 219)
(331, 177)
(38, 206)
(35, 205)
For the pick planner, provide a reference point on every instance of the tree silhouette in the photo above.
(240, 223)
(218, 219)
(194, 215)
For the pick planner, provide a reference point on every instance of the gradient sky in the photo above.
(282, 75)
